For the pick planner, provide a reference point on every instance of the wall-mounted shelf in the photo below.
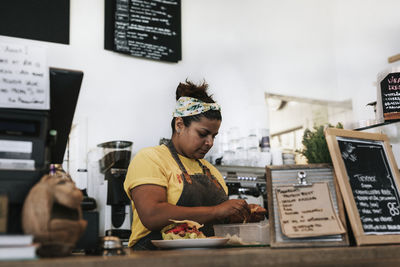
(375, 125)
(394, 58)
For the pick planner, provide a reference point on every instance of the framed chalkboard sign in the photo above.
(368, 178)
(282, 177)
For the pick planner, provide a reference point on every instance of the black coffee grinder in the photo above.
(114, 165)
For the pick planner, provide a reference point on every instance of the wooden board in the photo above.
(287, 175)
(3, 213)
(368, 178)
(394, 58)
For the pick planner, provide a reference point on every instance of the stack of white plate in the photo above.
(288, 158)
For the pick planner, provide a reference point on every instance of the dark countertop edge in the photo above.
(264, 256)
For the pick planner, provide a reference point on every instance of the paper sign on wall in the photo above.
(24, 77)
(307, 211)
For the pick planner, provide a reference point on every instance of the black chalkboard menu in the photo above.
(369, 181)
(44, 20)
(143, 28)
(390, 96)
(374, 189)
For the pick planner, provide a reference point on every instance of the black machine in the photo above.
(37, 138)
(114, 165)
(245, 182)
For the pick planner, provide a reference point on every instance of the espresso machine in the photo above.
(117, 211)
(243, 182)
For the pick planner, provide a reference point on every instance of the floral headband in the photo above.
(189, 106)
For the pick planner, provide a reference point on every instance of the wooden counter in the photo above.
(231, 257)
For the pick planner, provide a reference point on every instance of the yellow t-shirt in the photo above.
(155, 165)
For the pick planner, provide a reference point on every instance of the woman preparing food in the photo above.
(173, 181)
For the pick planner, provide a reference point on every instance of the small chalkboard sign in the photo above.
(368, 178)
(389, 96)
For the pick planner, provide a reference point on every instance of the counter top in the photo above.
(386, 255)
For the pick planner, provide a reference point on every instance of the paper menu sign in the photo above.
(24, 77)
(307, 211)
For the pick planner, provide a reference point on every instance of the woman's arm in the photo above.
(154, 211)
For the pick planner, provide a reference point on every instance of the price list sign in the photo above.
(307, 211)
(24, 77)
(372, 183)
(390, 96)
(148, 29)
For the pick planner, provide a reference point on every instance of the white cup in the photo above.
(277, 157)
(264, 158)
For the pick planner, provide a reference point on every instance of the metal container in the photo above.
(111, 246)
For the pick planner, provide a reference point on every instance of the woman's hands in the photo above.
(155, 212)
(234, 209)
(238, 211)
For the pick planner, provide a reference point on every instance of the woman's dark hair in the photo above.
(190, 89)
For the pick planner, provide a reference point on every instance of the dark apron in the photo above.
(198, 190)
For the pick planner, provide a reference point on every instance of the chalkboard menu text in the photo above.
(142, 28)
(390, 96)
(369, 180)
(374, 189)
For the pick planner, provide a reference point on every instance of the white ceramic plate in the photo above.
(190, 243)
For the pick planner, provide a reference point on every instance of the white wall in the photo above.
(312, 48)
(366, 34)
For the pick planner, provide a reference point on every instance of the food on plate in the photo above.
(185, 229)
